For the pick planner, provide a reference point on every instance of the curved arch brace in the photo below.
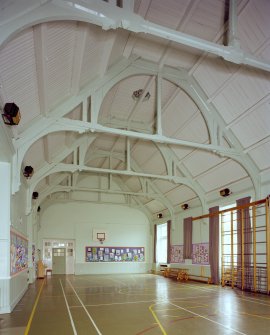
(45, 11)
(167, 152)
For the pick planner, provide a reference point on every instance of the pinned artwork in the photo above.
(200, 253)
(114, 254)
(18, 253)
(177, 254)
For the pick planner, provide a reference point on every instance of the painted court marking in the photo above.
(255, 301)
(69, 313)
(203, 317)
(157, 319)
(33, 310)
(86, 311)
(156, 301)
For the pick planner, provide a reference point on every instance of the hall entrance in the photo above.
(59, 261)
(59, 255)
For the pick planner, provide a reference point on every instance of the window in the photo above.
(162, 243)
(228, 238)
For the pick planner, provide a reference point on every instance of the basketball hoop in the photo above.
(101, 237)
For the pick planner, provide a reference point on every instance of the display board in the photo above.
(18, 253)
(200, 253)
(114, 254)
(177, 254)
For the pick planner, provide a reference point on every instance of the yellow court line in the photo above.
(33, 310)
(156, 318)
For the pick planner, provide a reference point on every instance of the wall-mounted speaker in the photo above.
(28, 171)
(35, 195)
(12, 115)
(225, 192)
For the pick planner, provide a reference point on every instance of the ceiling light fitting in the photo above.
(159, 215)
(185, 206)
(136, 95)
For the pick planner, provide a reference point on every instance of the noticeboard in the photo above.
(114, 254)
(18, 252)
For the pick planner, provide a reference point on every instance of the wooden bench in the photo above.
(162, 269)
(179, 274)
(229, 277)
(200, 278)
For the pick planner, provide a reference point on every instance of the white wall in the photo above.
(76, 220)
(5, 148)
(19, 282)
(12, 215)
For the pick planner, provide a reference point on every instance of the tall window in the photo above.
(228, 239)
(162, 243)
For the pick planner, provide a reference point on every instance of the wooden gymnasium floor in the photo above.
(135, 305)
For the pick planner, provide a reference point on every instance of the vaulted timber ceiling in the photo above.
(155, 104)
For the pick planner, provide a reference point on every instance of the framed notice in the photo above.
(18, 253)
(114, 254)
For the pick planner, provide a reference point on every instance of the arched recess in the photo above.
(214, 122)
(131, 104)
(55, 135)
(116, 160)
(137, 89)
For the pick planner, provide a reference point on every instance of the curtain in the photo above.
(155, 244)
(214, 244)
(188, 238)
(244, 248)
(169, 224)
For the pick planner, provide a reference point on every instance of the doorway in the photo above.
(59, 261)
(50, 255)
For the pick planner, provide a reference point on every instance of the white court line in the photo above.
(86, 311)
(69, 313)
(203, 317)
(157, 301)
(121, 303)
(254, 301)
(249, 299)
(206, 289)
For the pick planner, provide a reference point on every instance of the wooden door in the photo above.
(59, 261)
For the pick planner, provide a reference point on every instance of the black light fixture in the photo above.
(28, 171)
(185, 206)
(35, 195)
(12, 115)
(225, 192)
(159, 215)
(38, 209)
(136, 95)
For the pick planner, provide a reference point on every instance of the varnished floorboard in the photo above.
(135, 305)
